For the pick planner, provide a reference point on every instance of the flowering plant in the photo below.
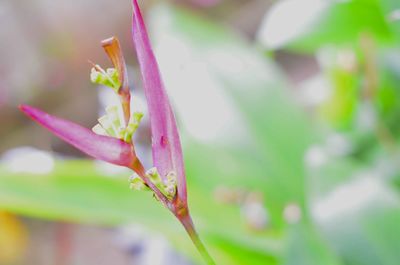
(111, 139)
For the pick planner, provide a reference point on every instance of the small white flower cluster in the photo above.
(109, 77)
(167, 187)
(112, 124)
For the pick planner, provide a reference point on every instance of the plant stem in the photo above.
(182, 213)
(187, 223)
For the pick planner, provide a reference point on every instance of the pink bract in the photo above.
(104, 148)
(166, 145)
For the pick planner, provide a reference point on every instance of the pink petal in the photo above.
(104, 148)
(167, 151)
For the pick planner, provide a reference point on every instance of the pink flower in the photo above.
(114, 144)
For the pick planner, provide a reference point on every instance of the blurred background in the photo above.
(289, 112)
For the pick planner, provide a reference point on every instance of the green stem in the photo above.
(189, 227)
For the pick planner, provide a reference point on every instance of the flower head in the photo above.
(111, 139)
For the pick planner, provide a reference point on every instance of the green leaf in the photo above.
(368, 239)
(365, 229)
(391, 9)
(76, 191)
(333, 22)
(340, 109)
(306, 247)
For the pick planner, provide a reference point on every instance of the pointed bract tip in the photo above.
(23, 107)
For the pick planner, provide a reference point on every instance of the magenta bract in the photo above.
(104, 148)
(166, 146)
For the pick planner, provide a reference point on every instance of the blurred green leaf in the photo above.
(365, 230)
(371, 238)
(341, 107)
(391, 9)
(388, 94)
(334, 22)
(306, 247)
(77, 191)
